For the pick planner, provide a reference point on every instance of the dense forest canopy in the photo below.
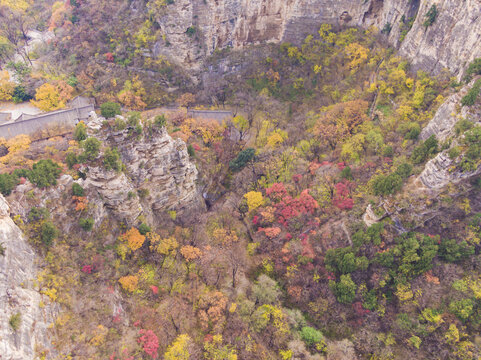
(307, 228)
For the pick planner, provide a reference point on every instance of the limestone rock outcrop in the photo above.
(443, 123)
(237, 23)
(441, 170)
(18, 271)
(450, 42)
(161, 165)
(158, 176)
(114, 190)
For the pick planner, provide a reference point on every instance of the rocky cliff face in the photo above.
(451, 42)
(237, 23)
(449, 113)
(156, 165)
(438, 172)
(18, 295)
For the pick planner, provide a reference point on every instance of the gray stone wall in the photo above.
(210, 114)
(29, 125)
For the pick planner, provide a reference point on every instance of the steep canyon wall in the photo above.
(452, 41)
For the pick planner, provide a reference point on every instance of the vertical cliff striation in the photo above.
(450, 42)
(20, 339)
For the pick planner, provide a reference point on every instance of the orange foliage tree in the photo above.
(212, 307)
(129, 283)
(133, 238)
(190, 253)
(337, 122)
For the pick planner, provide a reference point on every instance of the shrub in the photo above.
(87, 224)
(110, 109)
(386, 184)
(15, 321)
(412, 131)
(112, 160)
(191, 31)
(470, 98)
(370, 300)
(266, 290)
(160, 120)
(311, 336)
(431, 16)
(48, 233)
(20, 95)
(344, 290)
(144, 228)
(462, 308)
(387, 28)
(404, 170)
(38, 213)
(423, 151)
(473, 69)
(462, 126)
(71, 159)
(120, 124)
(80, 132)
(133, 118)
(7, 183)
(388, 151)
(91, 148)
(77, 190)
(191, 150)
(454, 152)
(44, 173)
(472, 138)
(242, 159)
(346, 173)
(451, 251)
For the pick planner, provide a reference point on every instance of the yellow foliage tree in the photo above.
(47, 98)
(132, 93)
(178, 350)
(166, 247)
(129, 283)
(215, 351)
(6, 86)
(276, 138)
(254, 199)
(18, 5)
(16, 147)
(186, 99)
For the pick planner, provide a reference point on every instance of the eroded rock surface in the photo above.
(115, 192)
(450, 42)
(159, 176)
(441, 170)
(160, 165)
(18, 295)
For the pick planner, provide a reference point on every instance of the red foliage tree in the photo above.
(150, 343)
(109, 57)
(342, 197)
